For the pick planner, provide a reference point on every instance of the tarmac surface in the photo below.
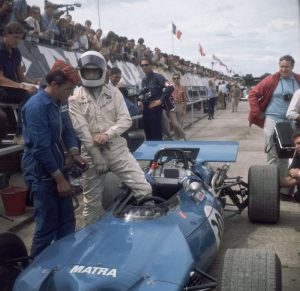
(282, 238)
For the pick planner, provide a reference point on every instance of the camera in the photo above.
(287, 96)
(144, 95)
(57, 14)
(77, 169)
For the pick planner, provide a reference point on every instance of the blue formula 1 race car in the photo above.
(163, 242)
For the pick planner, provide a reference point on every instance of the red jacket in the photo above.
(260, 96)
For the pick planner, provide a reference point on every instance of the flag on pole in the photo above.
(201, 50)
(215, 58)
(218, 60)
(178, 34)
(174, 28)
(176, 31)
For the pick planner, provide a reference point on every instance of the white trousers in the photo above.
(121, 162)
(272, 157)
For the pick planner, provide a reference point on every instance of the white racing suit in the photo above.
(104, 112)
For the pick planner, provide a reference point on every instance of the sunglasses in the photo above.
(176, 78)
(144, 65)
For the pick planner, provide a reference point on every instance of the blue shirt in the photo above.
(47, 25)
(154, 84)
(21, 7)
(9, 63)
(44, 126)
(211, 92)
(277, 106)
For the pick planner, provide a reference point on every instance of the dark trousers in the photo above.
(3, 124)
(54, 215)
(15, 96)
(152, 123)
(211, 107)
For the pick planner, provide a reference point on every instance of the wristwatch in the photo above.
(21, 86)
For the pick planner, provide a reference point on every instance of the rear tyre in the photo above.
(11, 247)
(263, 187)
(251, 270)
(111, 189)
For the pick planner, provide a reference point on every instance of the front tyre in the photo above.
(251, 270)
(11, 247)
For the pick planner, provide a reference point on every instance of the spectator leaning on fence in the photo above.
(6, 10)
(33, 21)
(20, 11)
(49, 21)
(11, 72)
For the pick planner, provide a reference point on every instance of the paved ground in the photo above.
(239, 233)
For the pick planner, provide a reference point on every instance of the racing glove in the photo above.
(98, 160)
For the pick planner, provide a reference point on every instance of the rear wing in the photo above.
(205, 151)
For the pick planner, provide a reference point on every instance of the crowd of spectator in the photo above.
(51, 27)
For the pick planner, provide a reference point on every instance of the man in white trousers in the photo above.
(99, 115)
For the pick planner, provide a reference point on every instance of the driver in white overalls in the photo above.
(99, 115)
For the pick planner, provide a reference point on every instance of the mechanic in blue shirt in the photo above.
(47, 133)
(153, 97)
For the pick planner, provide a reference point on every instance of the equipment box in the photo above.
(283, 140)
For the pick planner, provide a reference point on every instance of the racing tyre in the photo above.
(251, 270)
(111, 189)
(263, 187)
(11, 247)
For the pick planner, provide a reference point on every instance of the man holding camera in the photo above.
(269, 101)
(49, 21)
(155, 93)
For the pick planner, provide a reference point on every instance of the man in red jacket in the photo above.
(269, 101)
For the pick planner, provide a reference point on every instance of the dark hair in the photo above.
(59, 77)
(296, 135)
(115, 71)
(146, 59)
(13, 27)
(175, 75)
(288, 58)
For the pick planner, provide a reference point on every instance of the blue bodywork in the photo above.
(209, 151)
(120, 253)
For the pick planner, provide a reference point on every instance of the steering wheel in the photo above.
(176, 153)
(150, 198)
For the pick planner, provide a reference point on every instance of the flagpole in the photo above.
(172, 39)
(99, 14)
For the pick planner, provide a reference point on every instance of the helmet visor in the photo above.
(91, 73)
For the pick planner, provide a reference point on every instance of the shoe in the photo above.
(212, 118)
(18, 139)
(285, 197)
(209, 118)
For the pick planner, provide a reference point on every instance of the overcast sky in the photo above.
(248, 36)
